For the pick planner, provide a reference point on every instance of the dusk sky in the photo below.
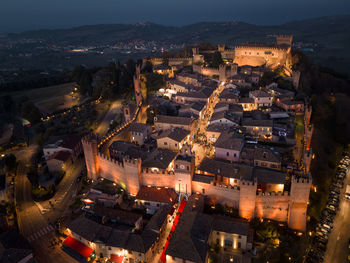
(20, 15)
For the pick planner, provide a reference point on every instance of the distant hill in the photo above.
(326, 37)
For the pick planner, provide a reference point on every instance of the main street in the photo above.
(338, 242)
(203, 122)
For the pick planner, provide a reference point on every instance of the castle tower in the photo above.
(284, 40)
(184, 169)
(222, 72)
(137, 87)
(299, 197)
(195, 51)
(247, 198)
(132, 172)
(221, 48)
(91, 161)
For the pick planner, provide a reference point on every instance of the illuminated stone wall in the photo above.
(272, 206)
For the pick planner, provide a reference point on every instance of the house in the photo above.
(261, 157)
(159, 160)
(224, 118)
(262, 129)
(193, 110)
(248, 104)
(214, 131)
(165, 122)
(261, 98)
(85, 236)
(120, 149)
(229, 146)
(152, 198)
(113, 215)
(58, 161)
(239, 80)
(139, 132)
(174, 86)
(228, 96)
(231, 234)
(172, 139)
(190, 78)
(291, 105)
(202, 95)
(95, 196)
(71, 143)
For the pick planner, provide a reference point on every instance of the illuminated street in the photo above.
(112, 114)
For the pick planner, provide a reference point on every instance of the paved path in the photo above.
(112, 113)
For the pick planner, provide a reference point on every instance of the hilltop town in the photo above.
(231, 142)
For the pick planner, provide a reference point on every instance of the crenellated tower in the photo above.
(90, 152)
(184, 169)
(247, 198)
(299, 197)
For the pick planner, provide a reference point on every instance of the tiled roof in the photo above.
(266, 154)
(124, 217)
(230, 226)
(269, 176)
(159, 158)
(259, 94)
(176, 134)
(229, 141)
(157, 194)
(203, 178)
(138, 127)
(173, 120)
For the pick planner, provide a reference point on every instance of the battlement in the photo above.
(263, 48)
(273, 193)
(306, 179)
(87, 139)
(223, 186)
(248, 183)
(150, 171)
(109, 159)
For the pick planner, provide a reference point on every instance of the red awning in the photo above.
(116, 258)
(79, 247)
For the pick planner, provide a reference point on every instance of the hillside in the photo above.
(326, 37)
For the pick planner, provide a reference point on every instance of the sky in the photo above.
(21, 15)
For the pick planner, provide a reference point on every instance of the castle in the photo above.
(271, 55)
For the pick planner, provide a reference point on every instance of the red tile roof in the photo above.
(157, 194)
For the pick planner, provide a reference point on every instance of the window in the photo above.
(227, 154)
(165, 143)
(239, 244)
(126, 111)
(188, 168)
(203, 190)
(175, 144)
(235, 155)
(109, 248)
(157, 205)
(176, 166)
(239, 236)
(147, 203)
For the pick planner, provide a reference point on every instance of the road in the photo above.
(203, 123)
(35, 220)
(338, 242)
(112, 113)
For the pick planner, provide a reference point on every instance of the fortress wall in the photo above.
(111, 169)
(219, 193)
(272, 206)
(160, 179)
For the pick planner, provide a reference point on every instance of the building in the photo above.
(248, 104)
(229, 146)
(262, 129)
(165, 122)
(261, 98)
(58, 161)
(152, 198)
(172, 139)
(71, 143)
(224, 118)
(290, 105)
(139, 132)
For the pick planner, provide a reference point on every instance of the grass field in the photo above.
(49, 99)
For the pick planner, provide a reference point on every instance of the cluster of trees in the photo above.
(25, 108)
(113, 80)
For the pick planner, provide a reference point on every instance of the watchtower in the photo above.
(284, 40)
(90, 153)
(247, 198)
(299, 197)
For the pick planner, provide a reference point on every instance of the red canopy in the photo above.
(116, 258)
(79, 247)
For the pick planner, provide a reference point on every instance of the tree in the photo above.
(216, 59)
(107, 93)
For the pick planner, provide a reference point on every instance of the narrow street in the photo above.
(199, 149)
(111, 114)
(338, 242)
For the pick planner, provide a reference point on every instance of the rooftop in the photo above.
(138, 127)
(159, 158)
(157, 194)
(259, 94)
(230, 225)
(176, 134)
(230, 141)
(124, 217)
(173, 120)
